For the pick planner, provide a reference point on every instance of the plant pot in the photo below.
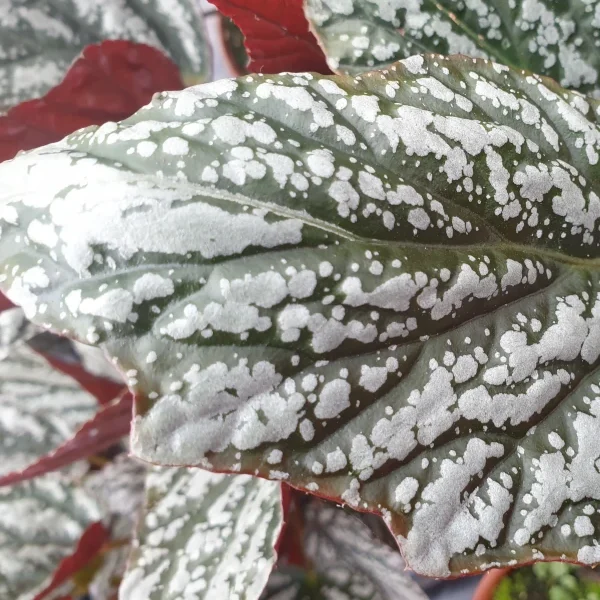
(489, 583)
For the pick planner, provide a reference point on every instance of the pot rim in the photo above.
(489, 583)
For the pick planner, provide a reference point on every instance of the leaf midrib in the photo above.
(504, 245)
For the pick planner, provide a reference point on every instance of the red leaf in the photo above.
(106, 428)
(90, 544)
(5, 303)
(108, 82)
(290, 548)
(277, 34)
(104, 390)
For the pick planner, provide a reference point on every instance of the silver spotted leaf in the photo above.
(40, 408)
(346, 562)
(40, 39)
(41, 523)
(119, 489)
(549, 37)
(14, 329)
(105, 430)
(204, 535)
(382, 289)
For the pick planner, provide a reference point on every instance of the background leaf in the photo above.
(14, 329)
(234, 46)
(50, 528)
(105, 429)
(559, 39)
(277, 35)
(40, 409)
(5, 303)
(119, 487)
(94, 361)
(62, 585)
(108, 82)
(383, 290)
(345, 561)
(104, 390)
(40, 39)
(42, 523)
(205, 535)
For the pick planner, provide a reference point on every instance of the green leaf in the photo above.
(40, 39)
(41, 522)
(204, 535)
(558, 39)
(40, 408)
(383, 290)
(346, 560)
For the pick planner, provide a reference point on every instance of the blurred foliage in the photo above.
(233, 39)
(550, 581)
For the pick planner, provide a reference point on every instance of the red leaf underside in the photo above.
(103, 389)
(277, 34)
(287, 500)
(108, 82)
(108, 426)
(90, 544)
(290, 544)
(5, 303)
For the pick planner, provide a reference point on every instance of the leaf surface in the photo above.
(40, 39)
(204, 535)
(108, 82)
(345, 561)
(558, 39)
(43, 537)
(277, 35)
(383, 290)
